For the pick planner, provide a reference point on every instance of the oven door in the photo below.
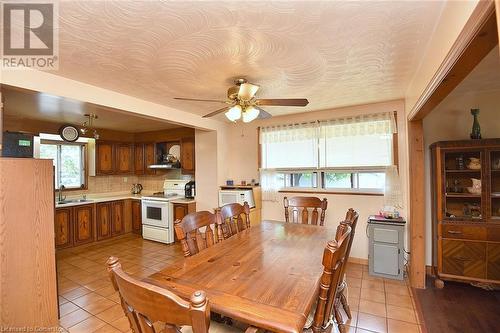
(155, 213)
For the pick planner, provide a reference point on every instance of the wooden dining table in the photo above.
(266, 276)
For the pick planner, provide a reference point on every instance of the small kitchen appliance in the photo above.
(136, 188)
(236, 196)
(157, 211)
(190, 190)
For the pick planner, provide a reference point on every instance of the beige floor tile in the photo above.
(374, 285)
(353, 292)
(88, 325)
(353, 282)
(403, 314)
(372, 323)
(98, 284)
(66, 308)
(353, 303)
(396, 326)
(113, 313)
(373, 295)
(106, 291)
(398, 290)
(75, 293)
(353, 321)
(354, 273)
(107, 329)
(62, 300)
(374, 308)
(399, 300)
(74, 318)
(122, 324)
(94, 303)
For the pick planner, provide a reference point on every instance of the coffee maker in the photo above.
(190, 190)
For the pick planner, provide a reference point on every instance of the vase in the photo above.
(476, 128)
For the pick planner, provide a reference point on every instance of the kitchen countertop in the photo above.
(105, 197)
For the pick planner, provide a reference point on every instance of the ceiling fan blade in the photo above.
(211, 114)
(283, 101)
(199, 100)
(263, 114)
(247, 91)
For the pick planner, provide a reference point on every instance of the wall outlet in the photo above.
(125, 179)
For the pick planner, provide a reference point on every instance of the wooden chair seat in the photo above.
(306, 208)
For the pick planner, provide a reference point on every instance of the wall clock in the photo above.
(69, 133)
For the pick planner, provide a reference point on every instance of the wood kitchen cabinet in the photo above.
(149, 158)
(187, 155)
(103, 220)
(139, 161)
(182, 209)
(117, 218)
(83, 224)
(124, 158)
(136, 216)
(105, 158)
(62, 228)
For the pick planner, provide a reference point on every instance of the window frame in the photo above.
(85, 177)
(320, 182)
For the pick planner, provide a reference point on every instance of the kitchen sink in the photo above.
(62, 202)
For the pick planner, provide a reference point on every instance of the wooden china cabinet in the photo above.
(466, 219)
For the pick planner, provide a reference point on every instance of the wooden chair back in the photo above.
(300, 206)
(235, 218)
(333, 258)
(351, 219)
(198, 231)
(145, 304)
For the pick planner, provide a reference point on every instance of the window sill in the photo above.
(331, 192)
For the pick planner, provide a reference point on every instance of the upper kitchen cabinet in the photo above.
(149, 158)
(104, 158)
(187, 155)
(114, 158)
(139, 161)
(124, 158)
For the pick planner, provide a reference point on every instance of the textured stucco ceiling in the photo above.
(333, 53)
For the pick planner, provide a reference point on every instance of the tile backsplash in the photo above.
(108, 184)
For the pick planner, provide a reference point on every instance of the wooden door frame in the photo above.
(471, 46)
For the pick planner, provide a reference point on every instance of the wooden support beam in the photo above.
(482, 43)
(417, 203)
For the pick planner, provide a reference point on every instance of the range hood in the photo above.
(164, 166)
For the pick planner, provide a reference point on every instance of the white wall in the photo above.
(243, 160)
(452, 120)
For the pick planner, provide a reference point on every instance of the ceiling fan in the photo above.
(242, 102)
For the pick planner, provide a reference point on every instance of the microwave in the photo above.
(236, 196)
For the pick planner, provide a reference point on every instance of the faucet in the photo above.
(60, 196)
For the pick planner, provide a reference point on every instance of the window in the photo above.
(345, 154)
(69, 163)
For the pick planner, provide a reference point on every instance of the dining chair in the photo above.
(351, 219)
(152, 309)
(302, 205)
(195, 231)
(334, 256)
(235, 218)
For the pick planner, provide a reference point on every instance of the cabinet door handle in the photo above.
(454, 232)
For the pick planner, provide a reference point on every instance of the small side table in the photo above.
(386, 247)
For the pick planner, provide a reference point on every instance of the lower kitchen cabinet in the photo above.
(84, 224)
(136, 216)
(182, 209)
(117, 218)
(62, 228)
(103, 220)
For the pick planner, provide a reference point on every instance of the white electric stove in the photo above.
(157, 211)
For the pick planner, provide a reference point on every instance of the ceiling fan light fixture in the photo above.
(234, 113)
(250, 114)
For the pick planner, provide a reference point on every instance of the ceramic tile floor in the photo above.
(88, 302)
